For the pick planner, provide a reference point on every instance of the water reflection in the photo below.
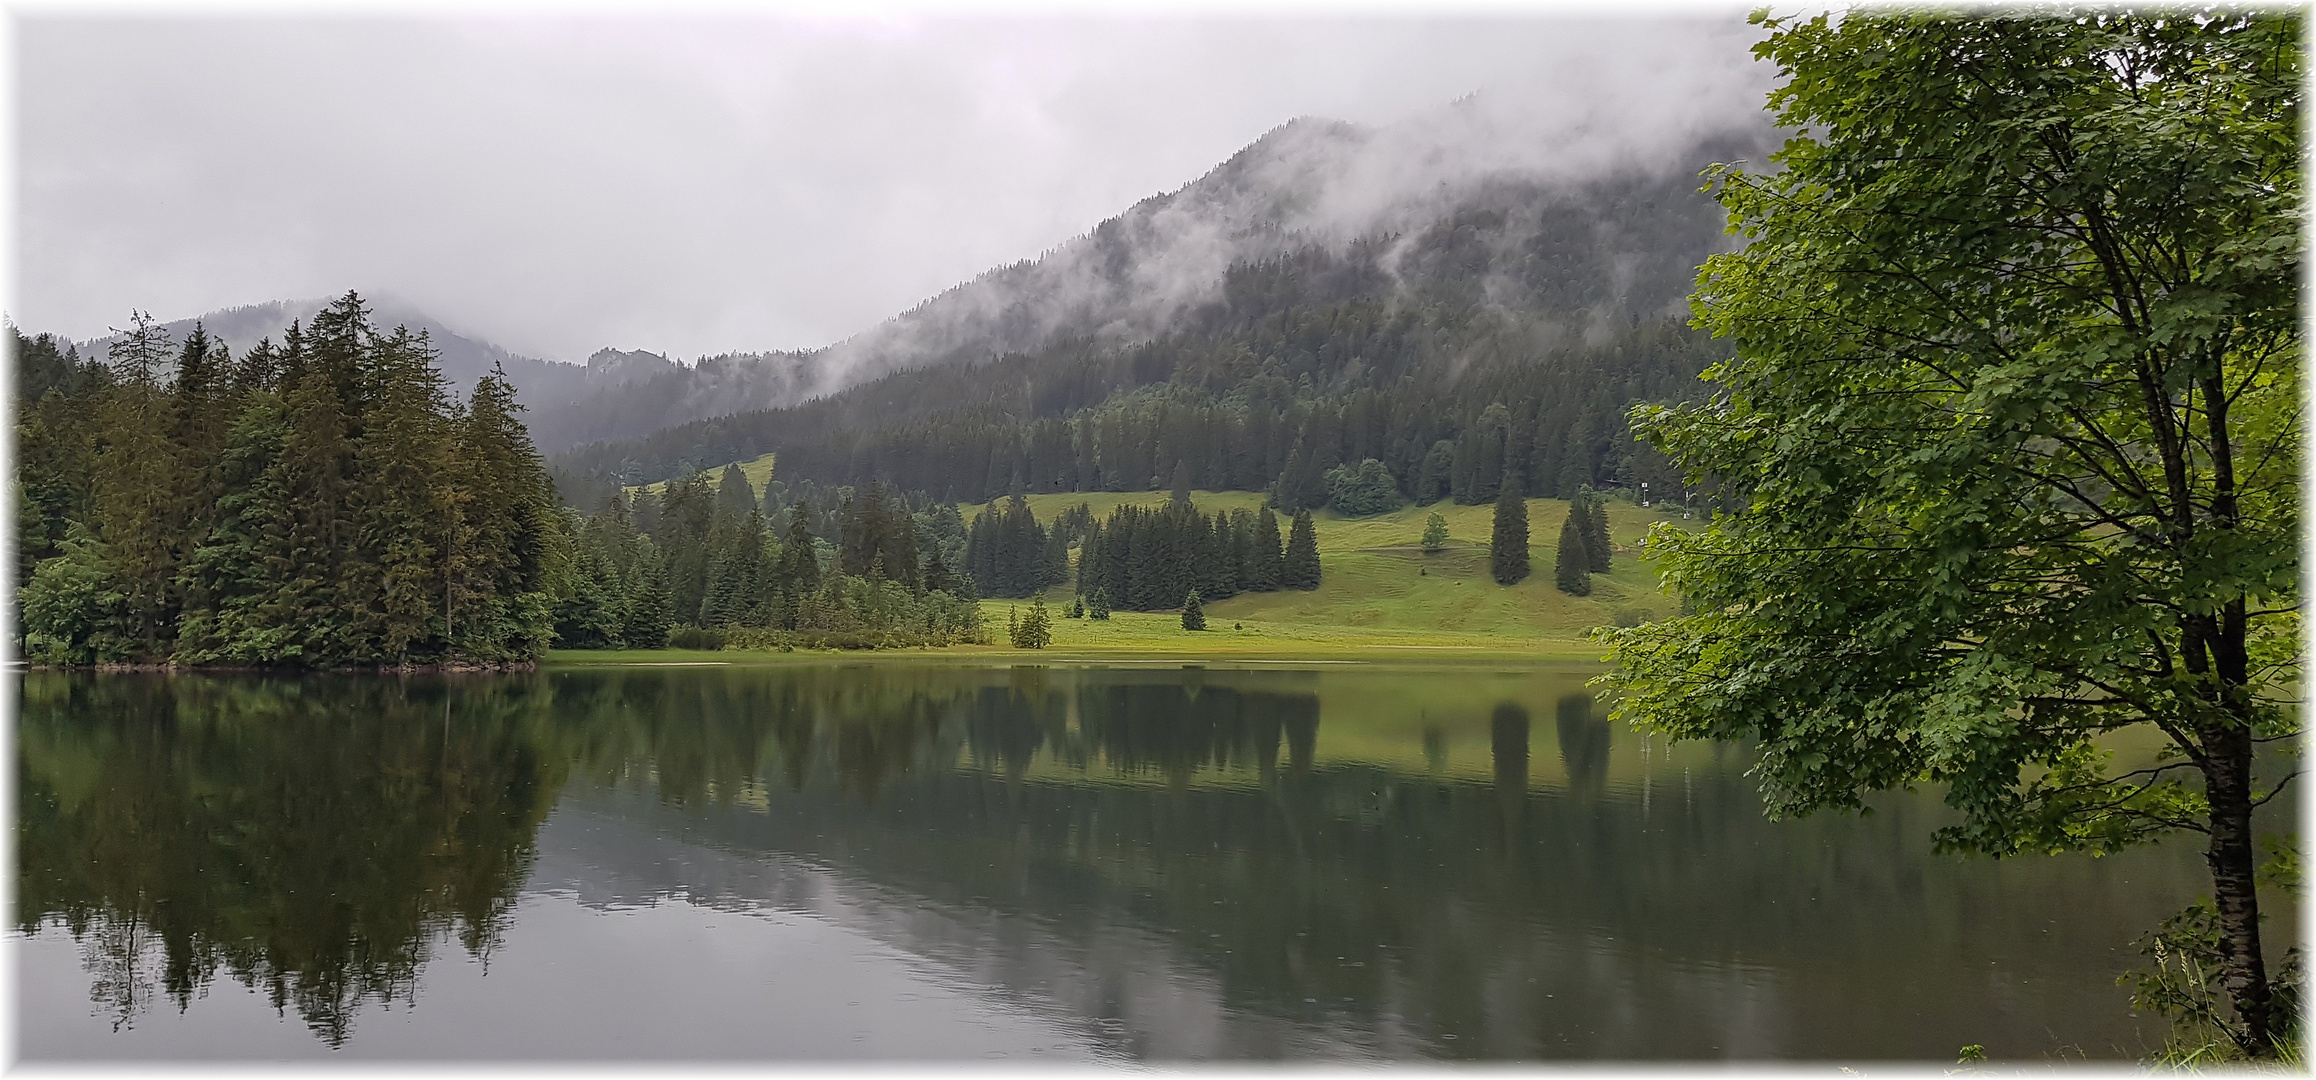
(1168, 864)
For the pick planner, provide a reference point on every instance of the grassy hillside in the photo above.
(757, 470)
(1378, 578)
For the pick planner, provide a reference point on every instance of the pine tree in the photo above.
(733, 492)
(1053, 560)
(650, 607)
(1034, 630)
(1265, 568)
(1569, 566)
(1435, 533)
(1098, 606)
(1595, 530)
(1299, 568)
(937, 575)
(394, 588)
(1193, 612)
(1508, 542)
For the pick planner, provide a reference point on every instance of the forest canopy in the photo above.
(319, 501)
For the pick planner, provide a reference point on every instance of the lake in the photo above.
(928, 860)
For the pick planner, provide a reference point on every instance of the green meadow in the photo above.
(1378, 584)
(1381, 596)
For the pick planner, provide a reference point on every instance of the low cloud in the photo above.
(699, 186)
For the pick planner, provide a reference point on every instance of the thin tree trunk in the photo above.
(2227, 784)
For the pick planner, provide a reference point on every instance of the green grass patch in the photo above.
(757, 470)
(1376, 577)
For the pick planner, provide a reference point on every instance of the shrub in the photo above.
(1361, 490)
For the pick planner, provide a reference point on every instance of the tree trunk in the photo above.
(2227, 784)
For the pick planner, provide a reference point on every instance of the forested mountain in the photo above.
(1504, 338)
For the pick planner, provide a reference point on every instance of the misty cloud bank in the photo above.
(657, 181)
(1310, 183)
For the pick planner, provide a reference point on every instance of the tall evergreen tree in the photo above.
(1508, 540)
(1595, 529)
(1299, 569)
(1571, 566)
(1266, 565)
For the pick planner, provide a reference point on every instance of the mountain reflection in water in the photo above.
(1164, 864)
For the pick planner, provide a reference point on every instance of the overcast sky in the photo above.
(705, 184)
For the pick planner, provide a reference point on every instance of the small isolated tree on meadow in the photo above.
(1508, 542)
(1098, 606)
(1193, 612)
(1031, 631)
(1435, 536)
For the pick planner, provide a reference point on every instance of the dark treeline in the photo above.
(1488, 346)
(320, 501)
(1151, 558)
(706, 562)
(1142, 558)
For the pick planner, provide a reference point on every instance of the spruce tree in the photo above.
(733, 492)
(1265, 566)
(1034, 630)
(650, 608)
(1595, 529)
(1300, 567)
(1193, 612)
(1508, 542)
(1570, 566)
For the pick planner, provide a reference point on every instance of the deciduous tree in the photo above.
(2014, 430)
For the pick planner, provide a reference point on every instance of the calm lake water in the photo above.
(911, 860)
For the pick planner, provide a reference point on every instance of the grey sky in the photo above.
(700, 184)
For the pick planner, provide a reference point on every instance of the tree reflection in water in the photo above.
(319, 838)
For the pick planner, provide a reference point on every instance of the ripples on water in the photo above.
(904, 860)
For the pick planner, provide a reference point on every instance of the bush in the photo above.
(1435, 535)
(1361, 490)
(692, 637)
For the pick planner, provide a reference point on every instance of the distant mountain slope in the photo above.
(1574, 232)
(615, 394)
(463, 359)
(1555, 300)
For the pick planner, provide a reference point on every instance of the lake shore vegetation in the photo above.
(2014, 426)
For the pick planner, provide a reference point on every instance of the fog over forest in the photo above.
(685, 188)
